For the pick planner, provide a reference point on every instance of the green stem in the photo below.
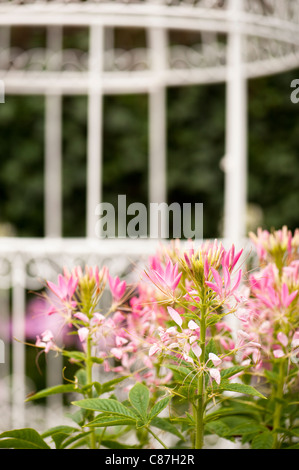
(278, 405)
(156, 437)
(201, 386)
(89, 382)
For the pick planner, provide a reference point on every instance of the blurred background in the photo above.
(195, 117)
(195, 148)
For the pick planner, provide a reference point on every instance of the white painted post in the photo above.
(236, 132)
(53, 145)
(18, 347)
(53, 163)
(157, 40)
(53, 191)
(95, 123)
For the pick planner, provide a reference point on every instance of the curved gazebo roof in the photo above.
(269, 29)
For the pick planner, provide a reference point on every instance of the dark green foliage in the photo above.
(195, 147)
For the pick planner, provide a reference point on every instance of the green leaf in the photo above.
(54, 390)
(77, 417)
(211, 348)
(239, 426)
(76, 440)
(97, 360)
(108, 386)
(237, 387)
(215, 415)
(293, 446)
(26, 438)
(77, 355)
(54, 430)
(217, 427)
(158, 407)
(105, 421)
(248, 427)
(215, 318)
(105, 405)
(230, 371)
(166, 425)
(81, 377)
(273, 377)
(264, 440)
(59, 434)
(187, 391)
(139, 399)
(117, 445)
(182, 372)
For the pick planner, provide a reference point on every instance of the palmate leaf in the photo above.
(230, 371)
(139, 399)
(215, 318)
(104, 420)
(211, 348)
(248, 427)
(69, 388)
(230, 427)
(217, 427)
(107, 405)
(225, 385)
(26, 438)
(158, 407)
(241, 408)
(77, 355)
(76, 440)
(166, 425)
(109, 386)
(264, 440)
(110, 444)
(183, 373)
(293, 446)
(59, 434)
(187, 391)
(218, 414)
(247, 405)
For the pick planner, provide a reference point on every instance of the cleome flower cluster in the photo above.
(168, 335)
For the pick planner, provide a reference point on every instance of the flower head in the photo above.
(117, 288)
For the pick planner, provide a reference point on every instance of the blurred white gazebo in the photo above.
(240, 39)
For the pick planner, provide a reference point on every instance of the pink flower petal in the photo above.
(215, 359)
(215, 374)
(155, 348)
(175, 316)
(196, 349)
(83, 333)
(47, 335)
(278, 353)
(81, 316)
(120, 341)
(295, 340)
(117, 353)
(283, 339)
(192, 325)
